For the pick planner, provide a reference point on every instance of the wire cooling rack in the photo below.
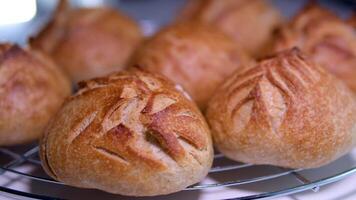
(13, 159)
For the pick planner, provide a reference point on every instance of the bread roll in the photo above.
(32, 89)
(194, 55)
(131, 133)
(325, 38)
(251, 23)
(89, 42)
(286, 111)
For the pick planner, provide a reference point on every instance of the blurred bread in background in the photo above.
(325, 37)
(195, 55)
(88, 42)
(250, 23)
(32, 88)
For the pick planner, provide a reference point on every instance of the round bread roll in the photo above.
(325, 38)
(251, 23)
(131, 133)
(194, 55)
(88, 42)
(32, 89)
(286, 111)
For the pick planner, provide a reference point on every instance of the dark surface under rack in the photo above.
(29, 155)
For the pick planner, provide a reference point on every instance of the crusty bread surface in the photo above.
(325, 37)
(88, 42)
(131, 133)
(32, 88)
(286, 111)
(194, 55)
(250, 23)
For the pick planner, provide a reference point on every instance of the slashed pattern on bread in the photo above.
(325, 37)
(286, 111)
(131, 133)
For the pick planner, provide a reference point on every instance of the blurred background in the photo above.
(20, 19)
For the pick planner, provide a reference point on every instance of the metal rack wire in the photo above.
(30, 156)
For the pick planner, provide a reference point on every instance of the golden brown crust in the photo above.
(194, 55)
(130, 133)
(97, 40)
(32, 89)
(286, 111)
(325, 38)
(251, 23)
(47, 39)
(352, 20)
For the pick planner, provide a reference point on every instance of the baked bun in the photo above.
(325, 38)
(194, 55)
(88, 42)
(286, 111)
(131, 133)
(251, 23)
(32, 89)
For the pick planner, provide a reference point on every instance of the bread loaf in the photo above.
(250, 23)
(326, 38)
(32, 89)
(131, 133)
(286, 111)
(88, 42)
(194, 55)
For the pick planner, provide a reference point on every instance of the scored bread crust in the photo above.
(286, 111)
(325, 37)
(32, 89)
(194, 55)
(88, 42)
(250, 23)
(131, 133)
